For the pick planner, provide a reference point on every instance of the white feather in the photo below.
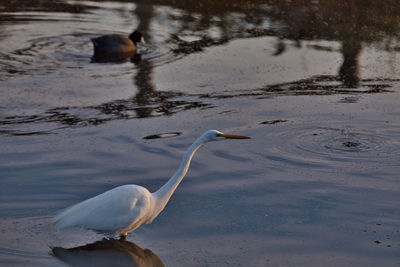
(125, 208)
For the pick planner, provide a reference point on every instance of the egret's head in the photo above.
(214, 135)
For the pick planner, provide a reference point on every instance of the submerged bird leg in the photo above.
(123, 237)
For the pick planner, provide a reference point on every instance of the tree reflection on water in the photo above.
(352, 23)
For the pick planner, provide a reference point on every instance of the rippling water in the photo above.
(318, 92)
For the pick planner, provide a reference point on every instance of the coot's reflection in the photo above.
(108, 252)
(116, 58)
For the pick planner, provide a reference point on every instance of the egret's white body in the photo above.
(125, 208)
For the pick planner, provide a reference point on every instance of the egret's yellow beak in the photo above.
(232, 136)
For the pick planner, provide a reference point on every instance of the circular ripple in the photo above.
(348, 140)
(321, 145)
(158, 53)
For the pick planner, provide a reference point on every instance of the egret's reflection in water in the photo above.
(108, 252)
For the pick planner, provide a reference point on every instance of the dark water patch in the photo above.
(272, 122)
(22, 133)
(260, 32)
(349, 99)
(162, 135)
(38, 5)
(190, 47)
(351, 144)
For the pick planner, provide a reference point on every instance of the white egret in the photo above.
(125, 208)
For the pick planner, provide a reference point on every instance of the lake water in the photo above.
(316, 84)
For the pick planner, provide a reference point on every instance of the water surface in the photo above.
(315, 84)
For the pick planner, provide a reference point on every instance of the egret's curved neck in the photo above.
(163, 194)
